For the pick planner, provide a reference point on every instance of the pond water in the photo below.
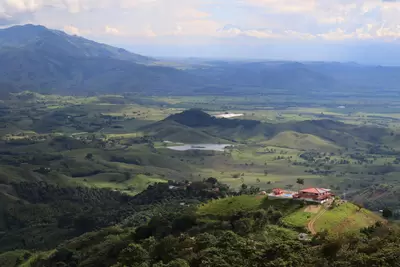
(213, 147)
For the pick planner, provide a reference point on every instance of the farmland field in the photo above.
(120, 142)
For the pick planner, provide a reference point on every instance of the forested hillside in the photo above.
(249, 231)
(41, 215)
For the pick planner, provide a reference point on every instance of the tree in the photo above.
(243, 226)
(244, 186)
(289, 186)
(178, 263)
(387, 213)
(205, 240)
(134, 254)
(89, 156)
(300, 181)
(212, 181)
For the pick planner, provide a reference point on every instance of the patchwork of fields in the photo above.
(118, 142)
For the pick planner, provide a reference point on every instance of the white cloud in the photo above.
(148, 32)
(71, 30)
(299, 35)
(111, 30)
(21, 5)
(128, 20)
(331, 20)
(285, 6)
(336, 35)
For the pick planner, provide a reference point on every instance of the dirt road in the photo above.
(310, 225)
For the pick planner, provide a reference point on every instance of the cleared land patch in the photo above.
(299, 218)
(346, 217)
(300, 141)
(313, 208)
(229, 206)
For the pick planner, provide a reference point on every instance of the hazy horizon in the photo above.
(366, 32)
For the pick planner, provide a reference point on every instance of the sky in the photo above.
(365, 31)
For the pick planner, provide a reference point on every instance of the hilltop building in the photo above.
(316, 195)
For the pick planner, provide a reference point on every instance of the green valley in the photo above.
(113, 159)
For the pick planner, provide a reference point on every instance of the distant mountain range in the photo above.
(40, 39)
(42, 60)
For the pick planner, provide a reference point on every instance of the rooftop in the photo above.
(315, 190)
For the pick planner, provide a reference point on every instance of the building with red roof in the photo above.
(314, 194)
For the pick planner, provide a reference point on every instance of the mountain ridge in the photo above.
(38, 37)
(49, 61)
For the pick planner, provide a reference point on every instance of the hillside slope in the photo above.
(43, 60)
(248, 234)
(329, 134)
(39, 38)
(299, 141)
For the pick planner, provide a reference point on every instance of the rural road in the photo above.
(310, 225)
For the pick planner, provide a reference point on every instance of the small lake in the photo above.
(213, 147)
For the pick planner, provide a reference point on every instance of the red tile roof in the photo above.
(315, 190)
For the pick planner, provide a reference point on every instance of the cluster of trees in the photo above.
(198, 118)
(244, 239)
(47, 214)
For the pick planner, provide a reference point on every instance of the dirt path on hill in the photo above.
(310, 225)
(313, 208)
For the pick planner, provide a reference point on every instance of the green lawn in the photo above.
(299, 218)
(230, 205)
(346, 217)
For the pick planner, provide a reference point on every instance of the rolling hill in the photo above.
(175, 132)
(299, 141)
(327, 134)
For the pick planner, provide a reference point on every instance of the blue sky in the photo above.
(337, 30)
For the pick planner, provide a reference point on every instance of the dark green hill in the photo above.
(193, 122)
(196, 126)
(41, 216)
(196, 118)
(172, 131)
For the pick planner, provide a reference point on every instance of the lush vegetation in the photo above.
(97, 180)
(250, 236)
